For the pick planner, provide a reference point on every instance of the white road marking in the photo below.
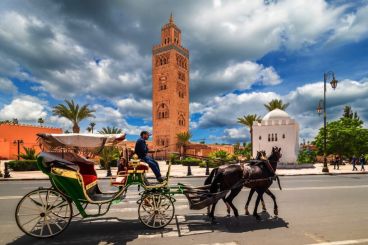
(322, 188)
(346, 242)
(10, 197)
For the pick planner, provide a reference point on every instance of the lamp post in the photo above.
(18, 143)
(322, 107)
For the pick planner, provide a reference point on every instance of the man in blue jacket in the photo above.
(141, 149)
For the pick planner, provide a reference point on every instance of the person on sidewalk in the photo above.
(354, 161)
(141, 149)
(362, 162)
(337, 162)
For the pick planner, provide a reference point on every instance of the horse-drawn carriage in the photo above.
(47, 212)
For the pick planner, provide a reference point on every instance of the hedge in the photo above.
(23, 165)
(189, 161)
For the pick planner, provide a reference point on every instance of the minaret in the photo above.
(170, 87)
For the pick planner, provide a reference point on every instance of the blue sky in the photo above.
(242, 54)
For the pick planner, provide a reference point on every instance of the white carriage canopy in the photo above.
(91, 142)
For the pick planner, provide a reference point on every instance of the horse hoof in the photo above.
(228, 215)
(264, 210)
(247, 212)
(276, 212)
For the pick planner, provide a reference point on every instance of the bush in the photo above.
(189, 161)
(23, 165)
(173, 158)
(307, 156)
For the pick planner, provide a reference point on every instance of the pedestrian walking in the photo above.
(362, 162)
(337, 162)
(354, 161)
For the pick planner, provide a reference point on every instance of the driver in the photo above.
(141, 149)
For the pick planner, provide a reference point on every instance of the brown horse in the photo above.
(234, 177)
(261, 155)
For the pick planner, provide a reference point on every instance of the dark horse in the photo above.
(234, 177)
(261, 155)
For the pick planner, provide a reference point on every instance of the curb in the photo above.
(198, 176)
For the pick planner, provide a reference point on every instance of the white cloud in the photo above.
(243, 74)
(256, 28)
(352, 27)
(108, 116)
(7, 86)
(232, 135)
(135, 108)
(25, 109)
(223, 111)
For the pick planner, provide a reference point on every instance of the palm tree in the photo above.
(29, 154)
(73, 112)
(276, 104)
(89, 129)
(40, 121)
(248, 121)
(92, 126)
(109, 130)
(183, 140)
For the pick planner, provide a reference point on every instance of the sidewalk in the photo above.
(179, 171)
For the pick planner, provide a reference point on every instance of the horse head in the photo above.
(261, 155)
(275, 154)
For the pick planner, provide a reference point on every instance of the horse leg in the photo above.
(255, 213)
(230, 198)
(227, 207)
(212, 214)
(263, 205)
(275, 207)
(248, 201)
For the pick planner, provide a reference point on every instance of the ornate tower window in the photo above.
(163, 111)
(181, 89)
(181, 76)
(181, 120)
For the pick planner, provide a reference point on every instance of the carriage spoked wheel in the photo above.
(156, 210)
(43, 213)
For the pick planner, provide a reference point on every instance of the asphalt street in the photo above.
(312, 210)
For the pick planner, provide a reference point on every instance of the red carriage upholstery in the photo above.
(139, 167)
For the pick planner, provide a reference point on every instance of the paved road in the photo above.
(312, 209)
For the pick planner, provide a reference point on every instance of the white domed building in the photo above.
(277, 128)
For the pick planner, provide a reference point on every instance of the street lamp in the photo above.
(18, 143)
(323, 108)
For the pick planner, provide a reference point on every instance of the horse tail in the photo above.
(210, 177)
(278, 181)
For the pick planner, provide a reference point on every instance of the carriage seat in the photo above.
(71, 161)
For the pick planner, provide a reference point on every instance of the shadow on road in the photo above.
(196, 223)
(94, 231)
(117, 231)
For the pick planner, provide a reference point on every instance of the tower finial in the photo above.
(171, 20)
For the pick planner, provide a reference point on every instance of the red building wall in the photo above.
(9, 133)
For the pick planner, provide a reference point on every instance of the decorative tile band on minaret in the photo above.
(170, 87)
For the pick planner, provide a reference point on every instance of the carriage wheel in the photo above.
(43, 213)
(156, 210)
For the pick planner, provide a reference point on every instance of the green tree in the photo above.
(41, 121)
(29, 154)
(15, 121)
(92, 126)
(248, 121)
(183, 141)
(73, 112)
(276, 104)
(108, 130)
(107, 155)
(345, 137)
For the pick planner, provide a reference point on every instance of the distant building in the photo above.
(170, 88)
(277, 128)
(11, 134)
